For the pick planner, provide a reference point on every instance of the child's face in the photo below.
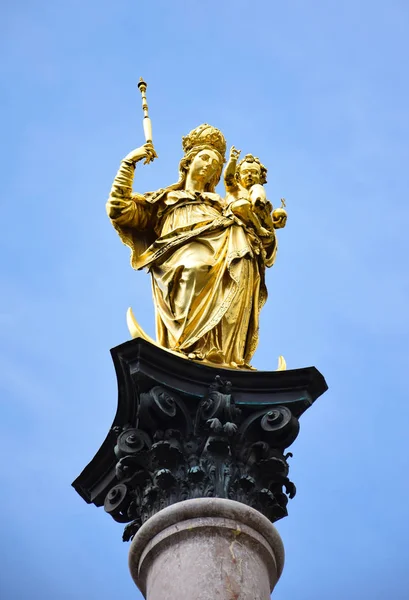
(249, 174)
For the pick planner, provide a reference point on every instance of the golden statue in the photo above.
(206, 255)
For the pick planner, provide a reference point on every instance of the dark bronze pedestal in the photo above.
(184, 430)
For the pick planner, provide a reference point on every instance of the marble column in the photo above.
(207, 549)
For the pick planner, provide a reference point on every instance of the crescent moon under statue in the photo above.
(136, 331)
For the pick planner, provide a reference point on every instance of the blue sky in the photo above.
(319, 90)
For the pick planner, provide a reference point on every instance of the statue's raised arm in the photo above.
(130, 213)
(229, 175)
(122, 201)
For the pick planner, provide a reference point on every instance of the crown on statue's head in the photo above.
(205, 135)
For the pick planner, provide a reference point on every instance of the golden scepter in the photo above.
(147, 125)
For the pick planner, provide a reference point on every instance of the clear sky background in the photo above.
(319, 90)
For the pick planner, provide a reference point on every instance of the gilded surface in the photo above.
(206, 254)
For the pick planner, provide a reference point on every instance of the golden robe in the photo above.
(207, 268)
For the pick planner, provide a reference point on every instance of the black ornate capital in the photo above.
(185, 430)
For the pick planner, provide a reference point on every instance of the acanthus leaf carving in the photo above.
(181, 450)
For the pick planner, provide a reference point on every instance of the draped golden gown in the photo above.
(207, 268)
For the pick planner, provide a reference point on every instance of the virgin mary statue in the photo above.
(207, 266)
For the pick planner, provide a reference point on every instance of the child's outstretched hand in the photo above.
(234, 153)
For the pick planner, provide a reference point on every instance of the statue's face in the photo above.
(204, 166)
(249, 174)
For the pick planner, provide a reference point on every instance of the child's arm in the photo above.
(261, 206)
(265, 216)
(244, 210)
(230, 171)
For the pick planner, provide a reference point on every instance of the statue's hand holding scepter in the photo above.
(147, 151)
(121, 201)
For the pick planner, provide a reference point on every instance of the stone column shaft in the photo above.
(207, 549)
